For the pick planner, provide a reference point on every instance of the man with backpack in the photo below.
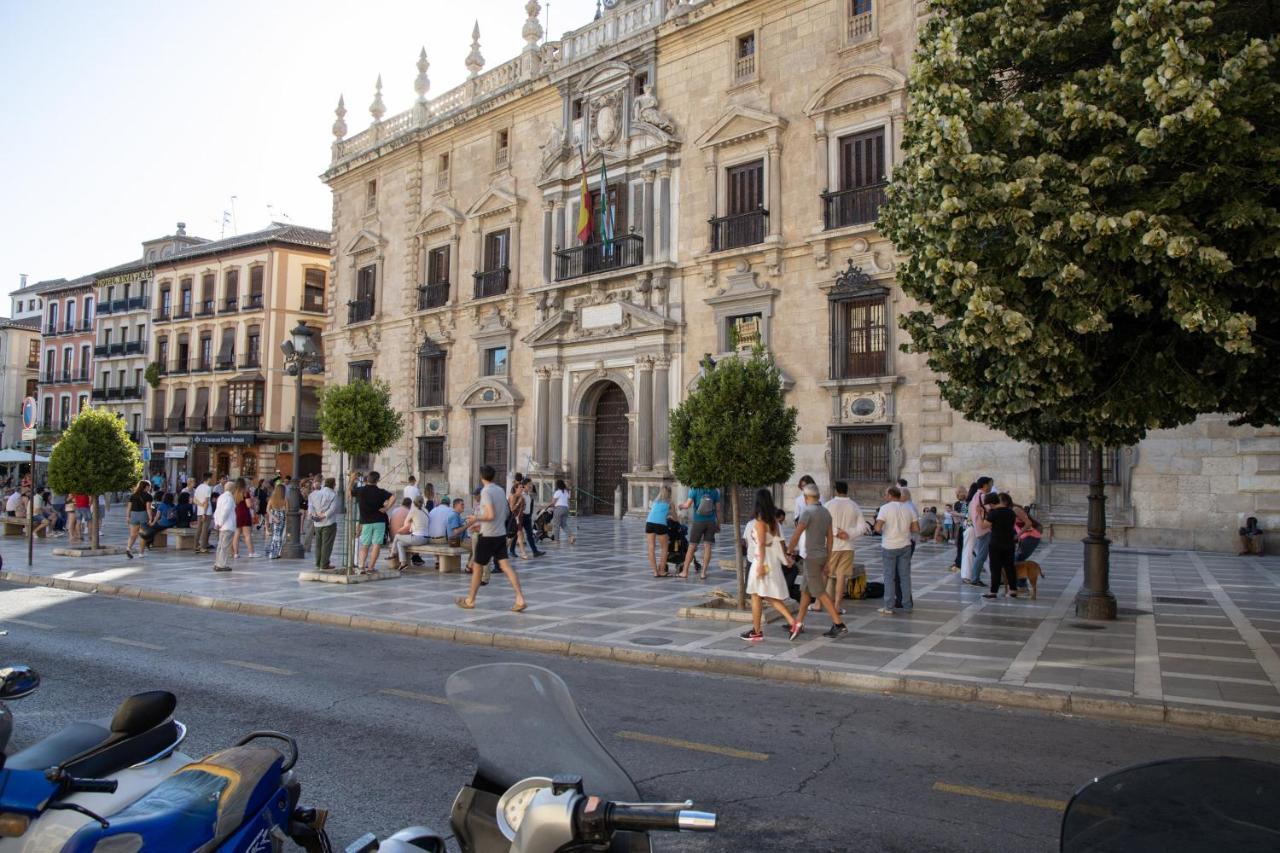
(706, 522)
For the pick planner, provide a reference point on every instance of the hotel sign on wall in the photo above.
(123, 278)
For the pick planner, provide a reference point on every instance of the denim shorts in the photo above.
(138, 517)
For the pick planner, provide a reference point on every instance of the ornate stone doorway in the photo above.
(610, 447)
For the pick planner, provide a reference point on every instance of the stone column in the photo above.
(664, 216)
(644, 411)
(646, 226)
(513, 254)
(775, 190)
(547, 212)
(542, 425)
(661, 403)
(713, 195)
(555, 417)
(455, 267)
(823, 169)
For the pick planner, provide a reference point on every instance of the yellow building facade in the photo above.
(744, 147)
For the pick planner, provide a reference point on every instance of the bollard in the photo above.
(617, 502)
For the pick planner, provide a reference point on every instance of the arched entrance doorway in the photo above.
(610, 447)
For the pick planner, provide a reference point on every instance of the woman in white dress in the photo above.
(765, 581)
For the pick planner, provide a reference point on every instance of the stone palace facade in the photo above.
(747, 145)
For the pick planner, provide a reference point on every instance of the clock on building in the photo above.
(609, 4)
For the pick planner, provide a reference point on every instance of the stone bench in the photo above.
(448, 558)
(184, 538)
(18, 527)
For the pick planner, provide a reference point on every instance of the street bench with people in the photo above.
(184, 538)
(18, 527)
(448, 558)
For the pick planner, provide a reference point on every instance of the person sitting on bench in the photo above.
(1251, 538)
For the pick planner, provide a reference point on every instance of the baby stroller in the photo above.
(678, 544)
(542, 525)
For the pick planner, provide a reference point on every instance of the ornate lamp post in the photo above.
(300, 356)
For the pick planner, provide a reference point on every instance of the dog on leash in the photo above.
(1030, 571)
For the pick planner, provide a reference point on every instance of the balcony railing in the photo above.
(852, 207)
(492, 282)
(204, 308)
(182, 313)
(118, 305)
(65, 377)
(51, 329)
(162, 367)
(740, 229)
(134, 347)
(137, 302)
(48, 377)
(83, 377)
(305, 424)
(860, 27)
(86, 326)
(359, 310)
(253, 302)
(98, 394)
(115, 349)
(228, 363)
(69, 328)
(104, 308)
(250, 362)
(197, 424)
(745, 67)
(157, 425)
(173, 424)
(131, 392)
(180, 367)
(99, 350)
(433, 295)
(625, 251)
(162, 314)
(115, 393)
(230, 305)
(245, 423)
(203, 367)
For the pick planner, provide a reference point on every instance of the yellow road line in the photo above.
(33, 624)
(409, 694)
(694, 745)
(1000, 796)
(260, 667)
(138, 643)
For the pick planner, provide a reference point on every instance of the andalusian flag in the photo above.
(606, 212)
(584, 206)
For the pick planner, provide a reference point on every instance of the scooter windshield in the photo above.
(524, 723)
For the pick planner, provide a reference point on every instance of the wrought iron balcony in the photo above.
(254, 302)
(250, 362)
(203, 367)
(492, 282)
(246, 423)
(115, 393)
(86, 326)
(84, 375)
(740, 229)
(852, 207)
(135, 347)
(306, 424)
(98, 394)
(69, 328)
(137, 302)
(204, 308)
(228, 363)
(182, 313)
(99, 350)
(433, 295)
(104, 308)
(230, 305)
(162, 314)
(118, 305)
(173, 424)
(359, 310)
(49, 377)
(197, 424)
(115, 349)
(51, 329)
(157, 425)
(131, 392)
(180, 367)
(622, 252)
(65, 377)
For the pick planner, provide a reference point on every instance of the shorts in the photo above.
(840, 564)
(373, 533)
(814, 581)
(138, 517)
(655, 529)
(702, 531)
(489, 548)
(83, 514)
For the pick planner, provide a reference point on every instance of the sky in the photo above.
(123, 118)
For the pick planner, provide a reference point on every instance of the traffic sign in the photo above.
(29, 414)
(146, 454)
(29, 433)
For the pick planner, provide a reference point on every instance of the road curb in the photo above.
(1096, 707)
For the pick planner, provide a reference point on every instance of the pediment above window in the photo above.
(850, 90)
(365, 241)
(440, 217)
(490, 393)
(598, 315)
(739, 124)
(498, 197)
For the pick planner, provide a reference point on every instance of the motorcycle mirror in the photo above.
(6, 729)
(18, 681)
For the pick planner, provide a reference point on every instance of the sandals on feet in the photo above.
(519, 608)
(464, 604)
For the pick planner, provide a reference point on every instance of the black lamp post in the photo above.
(300, 356)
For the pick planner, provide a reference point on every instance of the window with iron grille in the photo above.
(1073, 463)
(430, 454)
(313, 290)
(861, 455)
(360, 371)
(859, 335)
(431, 364)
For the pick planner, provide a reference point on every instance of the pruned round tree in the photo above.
(735, 429)
(1088, 210)
(95, 455)
(357, 418)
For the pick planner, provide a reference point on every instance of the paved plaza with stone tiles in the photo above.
(1196, 629)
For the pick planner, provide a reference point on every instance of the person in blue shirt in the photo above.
(455, 529)
(706, 523)
(655, 532)
(185, 512)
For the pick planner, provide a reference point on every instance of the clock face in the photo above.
(609, 4)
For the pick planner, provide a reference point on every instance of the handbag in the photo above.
(706, 506)
(856, 588)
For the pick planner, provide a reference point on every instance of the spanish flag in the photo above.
(584, 207)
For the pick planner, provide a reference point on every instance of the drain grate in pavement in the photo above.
(651, 641)
(1132, 611)
(1173, 599)
(1088, 626)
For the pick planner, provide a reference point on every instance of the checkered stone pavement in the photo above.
(1196, 629)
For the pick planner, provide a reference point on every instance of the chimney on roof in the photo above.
(182, 229)
(22, 279)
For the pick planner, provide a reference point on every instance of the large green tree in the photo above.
(94, 456)
(358, 418)
(1087, 206)
(735, 429)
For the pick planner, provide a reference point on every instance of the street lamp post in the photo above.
(300, 356)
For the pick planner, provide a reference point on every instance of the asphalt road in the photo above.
(786, 767)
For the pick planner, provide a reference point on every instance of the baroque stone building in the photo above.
(744, 147)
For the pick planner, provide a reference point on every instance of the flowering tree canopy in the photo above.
(1088, 210)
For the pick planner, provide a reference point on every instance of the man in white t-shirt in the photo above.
(847, 525)
(411, 531)
(411, 491)
(224, 517)
(203, 499)
(895, 522)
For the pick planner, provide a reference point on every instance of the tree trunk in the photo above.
(93, 520)
(738, 568)
(1095, 601)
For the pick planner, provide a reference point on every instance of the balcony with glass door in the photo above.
(620, 253)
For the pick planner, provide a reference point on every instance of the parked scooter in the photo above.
(544, 782)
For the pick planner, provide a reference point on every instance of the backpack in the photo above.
(857, 588)
(875, 589)
(706, 505)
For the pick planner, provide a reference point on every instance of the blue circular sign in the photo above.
(29, 413)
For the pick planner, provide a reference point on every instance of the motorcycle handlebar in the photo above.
(91, 786)
(643, 817)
